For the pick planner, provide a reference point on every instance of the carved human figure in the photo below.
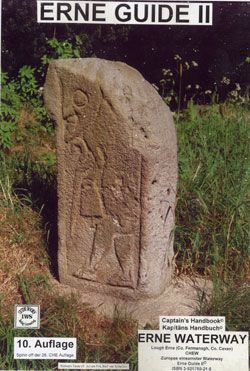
(102, 188)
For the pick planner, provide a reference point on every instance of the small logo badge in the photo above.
(27, 316)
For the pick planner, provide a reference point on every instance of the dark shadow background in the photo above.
(219, 49)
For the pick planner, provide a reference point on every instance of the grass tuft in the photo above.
(212, 217)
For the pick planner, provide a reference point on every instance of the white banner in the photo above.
(131, 13)
(221, 351)
(44, 348)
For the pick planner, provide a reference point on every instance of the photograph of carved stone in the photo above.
(124, 179)
(117, 174)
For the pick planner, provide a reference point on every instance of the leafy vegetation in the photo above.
(24, 95)
(21, 108)
(177, 91)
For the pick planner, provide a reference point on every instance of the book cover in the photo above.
(124, 185)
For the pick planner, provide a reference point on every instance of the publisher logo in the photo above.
(27, 316)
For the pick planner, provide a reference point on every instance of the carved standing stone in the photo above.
(117, 170)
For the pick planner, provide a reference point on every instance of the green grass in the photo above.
(211, 235)
(7, 334)
(232, 301)
(212, 217)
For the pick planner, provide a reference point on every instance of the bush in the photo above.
(25, 93)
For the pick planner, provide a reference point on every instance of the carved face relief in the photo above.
(78, 105)
(80, 99)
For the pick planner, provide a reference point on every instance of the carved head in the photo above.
(80, 104)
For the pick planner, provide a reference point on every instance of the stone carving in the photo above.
(117, 174)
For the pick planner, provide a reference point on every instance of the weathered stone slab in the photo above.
(117, 172)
